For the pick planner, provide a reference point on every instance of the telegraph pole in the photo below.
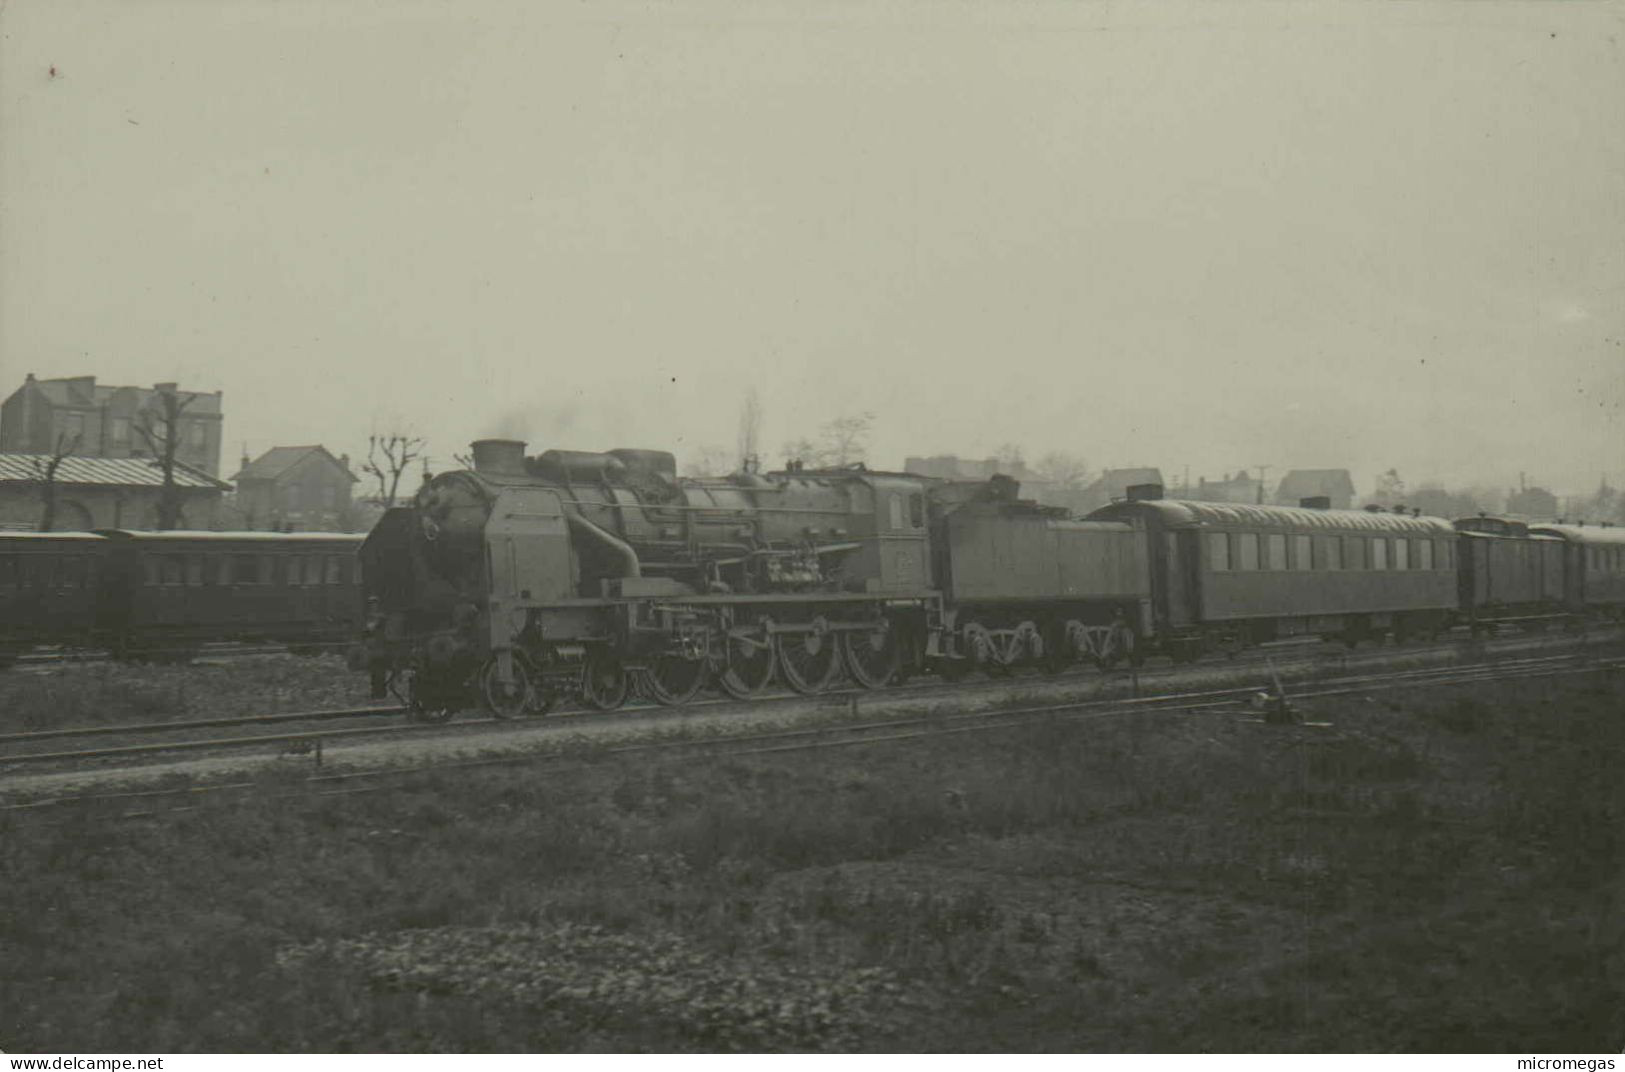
(1262, 471)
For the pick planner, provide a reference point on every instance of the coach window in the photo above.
(172, 569)
(1301, 553)
(1331, 553)
(244, 569)
(916, 511)
(1402, 553)
(895, 502)
(149, 566)
(1247, 550)
(335, 569)
(194, 570)
(1276, 545)
(1425, 548)
(8, 571)
(313, 569)
(221, 570)
(1218, 550)
(1379, 553)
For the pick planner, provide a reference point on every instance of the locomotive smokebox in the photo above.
(499, 457)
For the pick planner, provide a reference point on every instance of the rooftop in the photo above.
(105, 472)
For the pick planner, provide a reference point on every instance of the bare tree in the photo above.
(750, 429)
(1390, 489)
(1010, 458)
(846, 438)
(387, 458)
(159, 425)
(1063, 469)
(44, 468)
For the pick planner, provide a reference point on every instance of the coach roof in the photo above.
(1589, 535)
(1177, 513)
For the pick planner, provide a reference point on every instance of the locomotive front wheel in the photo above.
(806, 660)
(871, 658)
(749, 670)
(672, 680)
(603, 682)
(511, 700)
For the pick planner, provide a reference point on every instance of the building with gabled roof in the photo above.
(101, 493)
(296, 489)
(102, 420)
(1299, 484)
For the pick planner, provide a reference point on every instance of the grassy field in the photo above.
(1439, 870)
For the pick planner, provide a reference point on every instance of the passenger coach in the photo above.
(1594, 567)
(1226, 574)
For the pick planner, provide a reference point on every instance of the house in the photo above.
(1240, 488)
(1534, 503)
(304, 489)
(1334, 485)
(1033, 485)
(105, 420)
(1113, 485)
(101, 493)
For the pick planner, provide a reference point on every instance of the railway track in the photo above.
(50, 659)
(1237, 702)
(1291, 660)
(305, 728)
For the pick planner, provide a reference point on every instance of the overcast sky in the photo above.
(1214, 235)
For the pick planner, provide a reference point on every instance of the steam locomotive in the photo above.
(525, 579)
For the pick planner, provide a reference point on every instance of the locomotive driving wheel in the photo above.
(871, 656)
(672, 680)
(749, 669)
(522, 695)
(603, 682)
(807, 660)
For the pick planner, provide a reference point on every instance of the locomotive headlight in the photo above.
(519, 618)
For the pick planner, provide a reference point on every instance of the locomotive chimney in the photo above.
(499, 457)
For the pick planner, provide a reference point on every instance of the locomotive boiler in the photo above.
(572, 571)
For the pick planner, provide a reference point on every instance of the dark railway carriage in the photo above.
(50, 584)
(1230, 574)
(1593, 567)
(175, 589)
(1509, 574)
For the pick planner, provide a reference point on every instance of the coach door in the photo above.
(1179, 575)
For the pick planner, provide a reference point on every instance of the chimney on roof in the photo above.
(1143, 492)
(30, 378)
(1373, 508)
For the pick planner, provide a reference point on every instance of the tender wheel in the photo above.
(807, 661)
(507, 701)
(672, 680)
(871, 657)
(603, 682)
(749, 670)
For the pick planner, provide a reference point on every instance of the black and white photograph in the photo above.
(691, 527)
